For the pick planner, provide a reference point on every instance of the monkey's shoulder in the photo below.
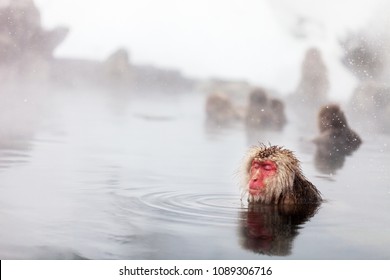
(302, 192)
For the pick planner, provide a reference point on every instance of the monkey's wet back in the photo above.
(155, 181)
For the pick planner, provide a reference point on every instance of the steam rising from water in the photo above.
(109, 158)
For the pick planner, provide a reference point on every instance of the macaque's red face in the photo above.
(259, 171)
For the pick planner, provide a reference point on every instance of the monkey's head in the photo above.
(331, 116)
(269, 173)
(258, 97)
(277, 105)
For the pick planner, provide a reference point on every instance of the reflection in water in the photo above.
(216, 130)
(18, 120)
(16, 155)
(327, 162)
(271, 229)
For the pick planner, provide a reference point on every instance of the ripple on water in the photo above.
(183, 207)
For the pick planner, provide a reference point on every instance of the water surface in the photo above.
(100, 178)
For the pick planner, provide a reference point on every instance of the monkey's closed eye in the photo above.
(267, 167)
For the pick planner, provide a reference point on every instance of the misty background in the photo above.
(123, 125)
(262, 42)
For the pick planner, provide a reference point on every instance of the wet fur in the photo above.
(287, 186)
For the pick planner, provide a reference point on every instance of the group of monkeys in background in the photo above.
(272, 174)
(262, 112)
(280, 198)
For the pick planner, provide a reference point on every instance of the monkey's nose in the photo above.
(256, 176)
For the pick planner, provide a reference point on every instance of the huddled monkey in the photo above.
(335, 134)
(314, 84)
(312, 90)
(220, 109)
(265, 112)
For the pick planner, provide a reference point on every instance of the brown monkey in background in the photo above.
(335, 134)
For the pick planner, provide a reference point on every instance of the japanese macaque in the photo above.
(336, 139)
(314, 84)
(256, 115)
(220, 109)
(312, 90)
(335, 134)
(272, 175)
(278, 117)
(271, 229)
(265, 112)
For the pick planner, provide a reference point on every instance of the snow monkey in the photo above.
(220, 109)
(272, 175)
(335, 134)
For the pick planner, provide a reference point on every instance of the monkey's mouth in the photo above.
(255, 190)
(255, 195)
